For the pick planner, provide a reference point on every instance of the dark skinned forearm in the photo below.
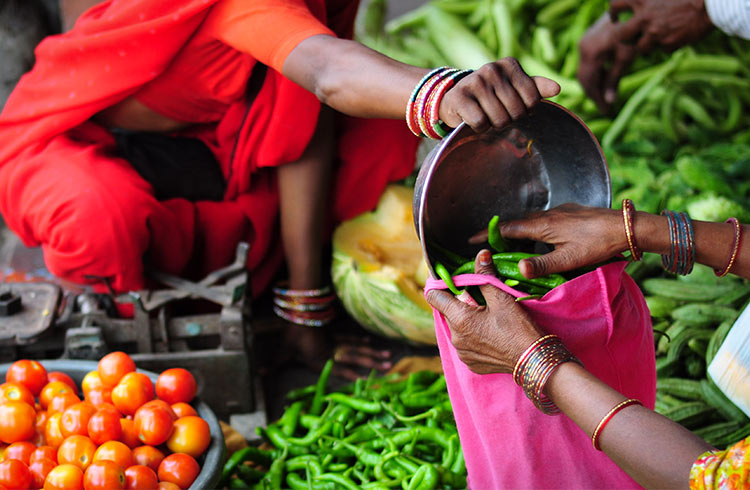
(652, 449)
(330, 67)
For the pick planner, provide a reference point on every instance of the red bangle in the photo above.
(628, 209)
(735, 247)
(526, 353)
(603, 423)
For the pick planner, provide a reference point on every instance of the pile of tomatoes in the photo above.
(126, 432)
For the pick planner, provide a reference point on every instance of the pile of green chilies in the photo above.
(377, 433)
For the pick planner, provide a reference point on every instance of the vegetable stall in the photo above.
(679, 139)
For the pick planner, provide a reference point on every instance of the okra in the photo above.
(717, 399)
(690, 414)
(680, 387)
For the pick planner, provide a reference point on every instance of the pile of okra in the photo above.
(391, 431)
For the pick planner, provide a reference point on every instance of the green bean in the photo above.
(627, 111)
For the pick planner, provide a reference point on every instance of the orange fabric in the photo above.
(63, 188)
(268, 30)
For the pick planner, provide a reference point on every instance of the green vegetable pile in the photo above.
(378, 433)
(680, 137)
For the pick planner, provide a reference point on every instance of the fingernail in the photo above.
(610, 96)
(386, 365)
(485, 258)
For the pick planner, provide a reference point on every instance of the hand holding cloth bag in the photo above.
(603, 320)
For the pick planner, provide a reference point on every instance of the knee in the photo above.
(97, 234)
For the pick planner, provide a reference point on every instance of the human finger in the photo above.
(366, 350)
(546, 87)
(479, 237)
(616, 7)
(624, 55)
(522, 93)
(473, 115)
(486, 89)
(447, 304)
(559, 260)
(347, 373)
(355, 357)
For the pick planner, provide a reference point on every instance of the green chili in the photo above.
(237, 483)
(312, 435)
(425, 478)
(288, 421)
(300, 392)
(272, 479)
(340, 480)
(320, 388)
(249, 474)
(248, 453)
(443, 274)
(494, 237)
(365, 406)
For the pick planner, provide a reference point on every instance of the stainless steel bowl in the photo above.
(546, 159)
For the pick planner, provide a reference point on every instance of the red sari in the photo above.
(63, 188)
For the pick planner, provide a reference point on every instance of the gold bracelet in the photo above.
(605, 420)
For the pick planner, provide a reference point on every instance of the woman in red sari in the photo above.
(293, 160)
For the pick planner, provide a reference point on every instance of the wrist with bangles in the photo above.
(535, 367)
(307, 307)
(680, 258)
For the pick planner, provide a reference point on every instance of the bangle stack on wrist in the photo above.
(536, 365)
(422, 110)
(681, 256)
(308, 307)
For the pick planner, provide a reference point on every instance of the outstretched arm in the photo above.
(358, 81)
(585, 236)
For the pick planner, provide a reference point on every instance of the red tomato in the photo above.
(161, 403)
(28, 373)
(129, 434)
(64, 477)
(17, 422)
(40, 468)
(75, 419)
(53, 389)
(15, 474)
(44, 452)
(99, 396)
(61, 402)
(167, 485)
(115, 451)
(182, 409)
(62, 377)
(91, 381)
(76, 450)
(148, 456)
(113, 367)
(104, 475)
(133, 390)
(41, 420)
(104, 426)
(52, 431)
(153, 424)
(19, 450)
(176, 385)
(16, 392)
(191, 435)
(138, 477)
(180, 469)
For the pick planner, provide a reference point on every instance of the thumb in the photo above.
(447, 304)
(555, 261)
(546, 87)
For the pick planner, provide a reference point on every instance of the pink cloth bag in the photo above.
(603, 319)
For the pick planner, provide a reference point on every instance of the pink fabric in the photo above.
(603, 319)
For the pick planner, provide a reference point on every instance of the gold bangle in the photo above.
(605, 420)
(525, 354)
